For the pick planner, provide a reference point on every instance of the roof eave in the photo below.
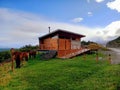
(42, 37)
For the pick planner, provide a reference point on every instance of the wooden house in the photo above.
(64, 42)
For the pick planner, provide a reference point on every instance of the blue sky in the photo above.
(30, 19)
(65, 10)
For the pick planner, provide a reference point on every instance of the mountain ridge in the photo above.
(114, 43)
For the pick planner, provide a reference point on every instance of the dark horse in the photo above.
(19, 56)
(32, 54)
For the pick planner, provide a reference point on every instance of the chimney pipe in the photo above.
(49, 29)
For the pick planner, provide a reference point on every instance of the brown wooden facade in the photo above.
(61, 41)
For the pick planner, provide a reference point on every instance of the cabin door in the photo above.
(67, 44)
(64, 44)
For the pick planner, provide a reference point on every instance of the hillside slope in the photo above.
(114, 43)
(68, 74)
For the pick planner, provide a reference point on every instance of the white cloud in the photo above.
(112, 30)
(88, 1)
(114, 5)
(77, 20)
(99, 1)
(90, 13)
(20, 28)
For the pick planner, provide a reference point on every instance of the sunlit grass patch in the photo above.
(65, 74)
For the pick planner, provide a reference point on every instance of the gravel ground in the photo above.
(115, 55)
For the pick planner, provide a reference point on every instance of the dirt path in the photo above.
(115, 54)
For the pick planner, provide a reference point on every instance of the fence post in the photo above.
(84, 54)
(12, 59)
(109, 58)
(97, 56)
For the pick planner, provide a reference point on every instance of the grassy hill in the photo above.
(114, 43)
(64, 74)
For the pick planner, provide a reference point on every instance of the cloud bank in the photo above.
(99, 1)
(114, 5)
(21, 28)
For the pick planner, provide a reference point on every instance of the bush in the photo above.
(94, 46)
(28, 48)
(4, 55)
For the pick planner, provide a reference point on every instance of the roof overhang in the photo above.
(63, 32)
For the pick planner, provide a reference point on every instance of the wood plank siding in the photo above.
(56, 44)
(49, 44)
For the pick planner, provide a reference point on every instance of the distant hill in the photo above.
(4, 49)
(114, 43)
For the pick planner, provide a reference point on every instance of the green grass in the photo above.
(65, 74)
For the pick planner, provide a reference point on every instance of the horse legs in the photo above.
(17, 61)
(30, 55)
(26, 58)
(34, 55)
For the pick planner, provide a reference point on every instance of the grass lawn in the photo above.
(65, 74)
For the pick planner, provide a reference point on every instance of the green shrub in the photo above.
(28, 48)
(4, 55)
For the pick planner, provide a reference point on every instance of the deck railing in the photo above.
(62, 53)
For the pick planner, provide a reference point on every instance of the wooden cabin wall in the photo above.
(54, 44)
(50, 44)
(60, 44)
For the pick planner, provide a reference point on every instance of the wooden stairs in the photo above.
(75, 53)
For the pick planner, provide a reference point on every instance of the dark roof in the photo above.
(58, 31)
